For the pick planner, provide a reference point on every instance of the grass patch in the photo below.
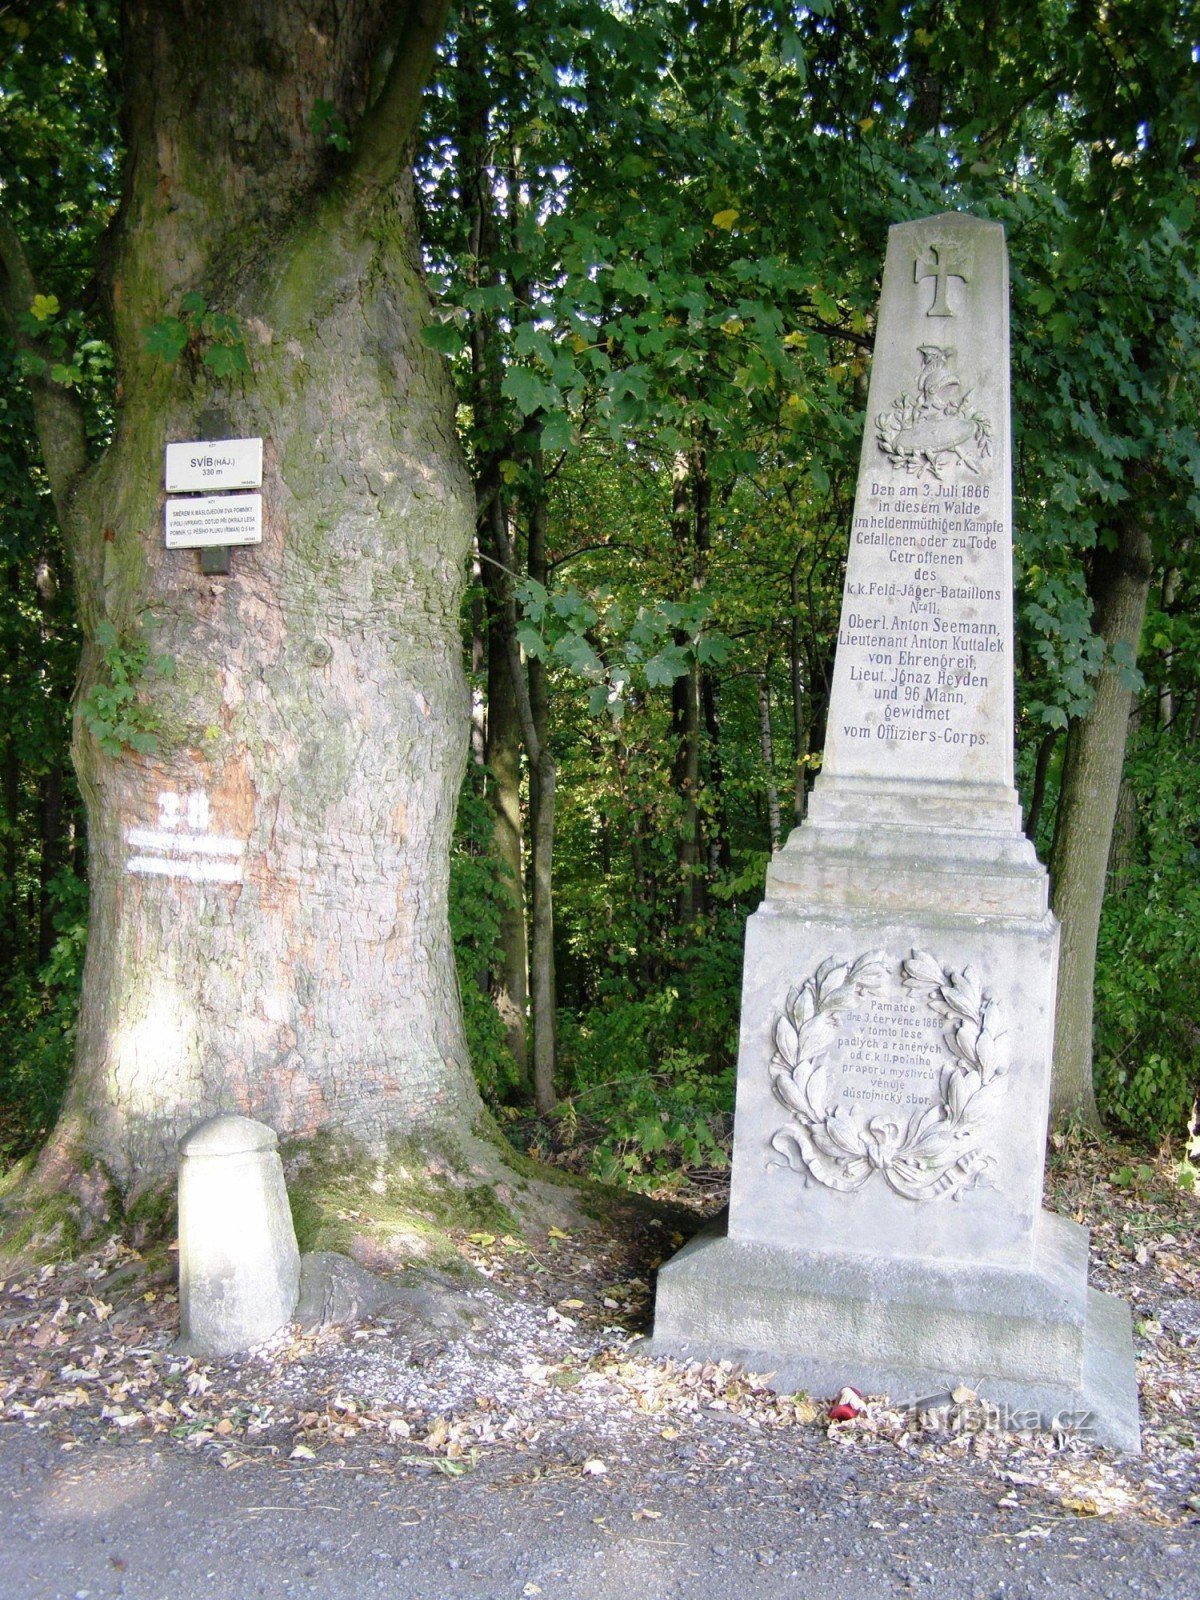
(36, 1227)
(392, 1212)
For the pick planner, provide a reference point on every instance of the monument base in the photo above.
(1038, 1344)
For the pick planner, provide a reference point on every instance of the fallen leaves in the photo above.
(87, 1353)
(659, 1387)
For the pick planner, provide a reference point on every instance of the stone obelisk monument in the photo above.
(886, 1226)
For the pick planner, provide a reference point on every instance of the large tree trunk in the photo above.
(268, 918)
(1091, 782)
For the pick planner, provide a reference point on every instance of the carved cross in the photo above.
(948, 262)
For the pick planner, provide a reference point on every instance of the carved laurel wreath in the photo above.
(935, 1155)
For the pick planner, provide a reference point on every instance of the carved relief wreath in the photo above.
(936, 1153)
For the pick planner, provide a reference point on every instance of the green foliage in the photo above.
(73, 357)
(663, 1111)
(38, 1011)
(328, 123)
(1148, 965)
(114, 710)
(613, 647)
(1127, 1177)
(213, 337)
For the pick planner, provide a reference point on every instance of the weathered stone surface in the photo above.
(239, 1266)
(875, 1135)
(885, 1222)
(334, 1291)
(1034, 1342)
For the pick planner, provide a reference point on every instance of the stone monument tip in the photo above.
(228, 1134)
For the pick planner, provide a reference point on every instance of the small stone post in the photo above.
(239, 1266)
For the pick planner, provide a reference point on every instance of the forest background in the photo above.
(653, 235)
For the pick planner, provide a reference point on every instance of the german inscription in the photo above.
(919, 633)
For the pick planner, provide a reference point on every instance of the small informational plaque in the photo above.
(213, 519)
(207, 464)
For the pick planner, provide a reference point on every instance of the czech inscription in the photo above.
(213, 519)
(888, 1066)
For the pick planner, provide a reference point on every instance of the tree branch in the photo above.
(384, 136)
(57, 412)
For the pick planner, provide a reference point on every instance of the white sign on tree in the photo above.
(208, 464)
(213, 519)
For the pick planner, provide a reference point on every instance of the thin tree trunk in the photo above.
(1041, 771)
(10, 912)
(1166, 695)
(1092, 767)
(50, 788)
(50, 806)
(719, 857)
(800, 734)
(531, 691)
(479, 709)
(643, 884)
(543, 779)
(766, 744)
(510, 982)
(543, 776)
(690, 495)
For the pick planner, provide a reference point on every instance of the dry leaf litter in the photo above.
(548, 1379)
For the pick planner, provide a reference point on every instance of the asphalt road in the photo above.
(157, 1522)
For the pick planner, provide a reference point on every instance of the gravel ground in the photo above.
(540, 1454)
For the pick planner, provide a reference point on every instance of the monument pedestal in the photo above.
(880, 1236)
(1048, 1352)
(885, 1226)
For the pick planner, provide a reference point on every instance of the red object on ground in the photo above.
(848, 1405)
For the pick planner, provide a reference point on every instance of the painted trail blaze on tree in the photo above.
(268, 930)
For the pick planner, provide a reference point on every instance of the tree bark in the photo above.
(688, 485)
(510, 981)
(766, 744)
(269, 929)
(543, 780)
(1041, 771)
(1092, 765)
(799, 698)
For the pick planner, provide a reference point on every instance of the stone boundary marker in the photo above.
(239, 1265)
(886, 1227)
